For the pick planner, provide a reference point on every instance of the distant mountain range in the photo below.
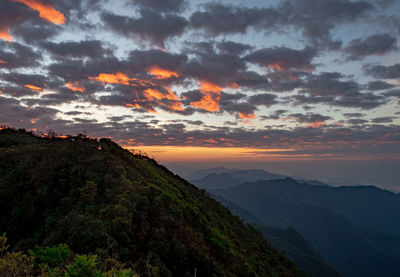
(355, 229)
(224, 178)
(288, 240)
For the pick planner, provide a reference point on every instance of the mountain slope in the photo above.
(99, 198)
(288, 240)
(351, 249)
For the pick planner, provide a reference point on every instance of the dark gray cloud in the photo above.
(316, 18)
(77, 49)
(233, 48)
(15, 114)
(332, 89)
(354, 115)
(265, 99)
(33, 33)
(386, 119)
(150, 25)
(161, 5)
(219, 19)
(379, 85)
(15, 55)
(283, 58)
(356, 121)
(218, 68)
(393, 93)
(10, 15)
(142, 60)
(310, 117)
(378, 44)
(383, 72)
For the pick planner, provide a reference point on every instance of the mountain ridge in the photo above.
(99, 198)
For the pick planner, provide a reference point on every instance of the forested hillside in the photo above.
(99, 199)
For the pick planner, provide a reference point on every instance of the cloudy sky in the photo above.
(199, 80)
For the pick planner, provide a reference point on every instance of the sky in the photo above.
(276, 84)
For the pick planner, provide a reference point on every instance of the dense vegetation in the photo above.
(99, 199)
(56, 261)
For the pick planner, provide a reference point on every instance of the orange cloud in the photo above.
(211, 95)
(34, 120)
(46, 11)
(209, 87)
(161, 73)
(137, 105)
(316, 124)
(5, 34)
(276, 66)
(74, 86)
(151, 94)
(111, 78)
(209, 102)
(33, 88)
(247, 115)
(154, 94)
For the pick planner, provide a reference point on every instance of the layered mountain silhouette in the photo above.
(98, 198)
(355, 229)
(288, 240)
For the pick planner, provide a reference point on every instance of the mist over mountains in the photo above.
(355, 229)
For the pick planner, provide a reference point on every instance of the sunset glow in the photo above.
(33, 88)
(4, 34)
(210, 97)
(46, 11)
(161, 73)
(247, 115)
(182, 153)
(111, 78)
(74, 86)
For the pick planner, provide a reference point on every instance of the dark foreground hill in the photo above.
(100, 199)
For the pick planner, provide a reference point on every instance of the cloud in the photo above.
(233, 48)
(77, 49)
(379, 85)
(385, 119)
(150, 26)
(46, 11)
(219, 19)
(161, 5)
(15, 55)
(312, 120)
(33, 33)
(354, 115)
(316, 18)
(332, 89)
(382, 71)
(283, 58)
(10, 15)
(378, 44)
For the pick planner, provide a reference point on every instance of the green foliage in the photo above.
(52, 256)
(98, 198)
(55, 262)
(83, 266)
